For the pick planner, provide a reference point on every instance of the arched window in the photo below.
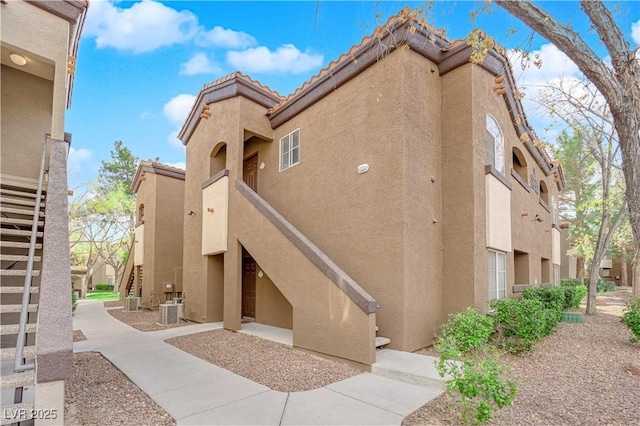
(519, 163)
(495, 145)
(218, 158)
(544, 192)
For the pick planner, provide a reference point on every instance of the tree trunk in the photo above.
(580, 269)
(593, 289)
(624, 278)
(635, 276)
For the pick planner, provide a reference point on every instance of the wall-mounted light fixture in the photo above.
(190, 213)
(538, 218)
(18, 59)
(363, 168)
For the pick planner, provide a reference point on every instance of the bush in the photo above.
(551, 297)
(605, 286)
(570, 282)
(522, 323)
(74, 300)
(104, 287)
(480, 383)
(631, 318)
(470, 366)
(573, 295)
(466, 330)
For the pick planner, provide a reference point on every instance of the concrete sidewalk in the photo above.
(196, 392)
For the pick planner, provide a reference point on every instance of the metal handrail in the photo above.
(19, 364)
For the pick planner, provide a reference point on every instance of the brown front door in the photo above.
(248, 287)
(250, 172)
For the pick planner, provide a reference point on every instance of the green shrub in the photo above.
(573, 295)
(570, 282)
(551, 297)
(605, 286)
(466, 330)
(471, 367)
(522, 323)
(103, 287)
(74, 300)
(480, 383)
(631, 318)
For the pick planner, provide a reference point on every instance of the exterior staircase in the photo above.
(17, 211)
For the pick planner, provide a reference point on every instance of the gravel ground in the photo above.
(277, 366)
(577, 376)
(114, 304)
(142, 320)
(99, 394)
(78, 336)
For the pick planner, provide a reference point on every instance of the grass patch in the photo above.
(103, 295)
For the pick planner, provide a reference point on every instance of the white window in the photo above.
(554, 210)
(556, 275)
(495, 145)
(497, 275)
(290, 150)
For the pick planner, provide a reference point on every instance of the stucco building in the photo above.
(154, 268)
(38, 52)
(399, 185)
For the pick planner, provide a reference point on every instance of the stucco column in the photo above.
(233, 286)
(54, 347)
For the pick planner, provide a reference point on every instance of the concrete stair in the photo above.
(407, 367)
(17, 209)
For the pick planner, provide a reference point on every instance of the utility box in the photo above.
(131, 304)
(168, 287)
(170, 313)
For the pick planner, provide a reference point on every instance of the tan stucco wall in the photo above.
(272, 308)
(139, 243)
(203, 275)
(215, 216)
(498, 214)
(45, 37)
(25, 123)
(412, 231)
(163, 199)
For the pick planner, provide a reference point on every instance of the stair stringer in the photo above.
(332, 314)
(125, 278)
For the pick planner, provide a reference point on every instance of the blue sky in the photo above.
(140, 64)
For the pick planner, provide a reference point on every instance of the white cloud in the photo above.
(180, 165)
(178, 107)
(635, 32)
(76, 158)
(176, 111)
(286, 59)
(199, 64)
(143, 27)
(554, 65)
(221, 37)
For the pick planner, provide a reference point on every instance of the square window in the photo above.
(290, 150)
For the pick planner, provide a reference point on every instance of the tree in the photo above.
(618, 84)
(580, 187)
(102, 219)
(118, 172)
(595, 144)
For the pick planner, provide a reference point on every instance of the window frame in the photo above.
(496, 269)
(288, 138)
(492, 128)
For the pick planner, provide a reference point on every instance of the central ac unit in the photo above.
(170, 313)
(131, 304)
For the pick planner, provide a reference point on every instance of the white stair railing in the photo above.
(19, 362)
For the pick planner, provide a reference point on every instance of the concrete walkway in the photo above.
(196, 392)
